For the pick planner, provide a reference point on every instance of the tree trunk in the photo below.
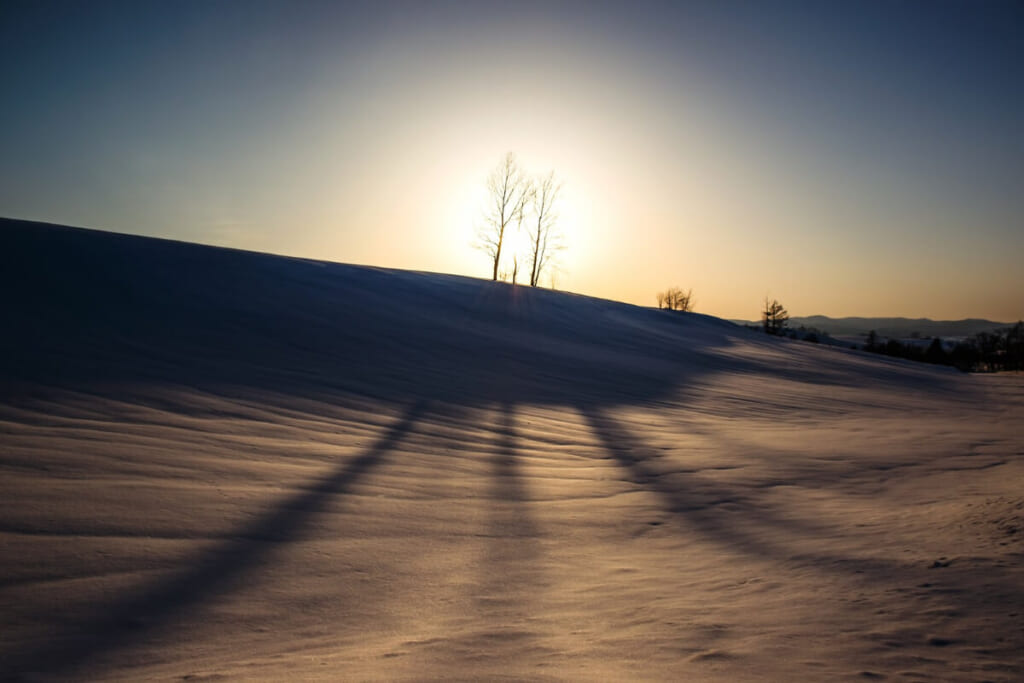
(534, 275)
(497, 253)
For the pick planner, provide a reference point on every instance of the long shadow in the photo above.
(693, 498)
(508, 480)
(696, 508)
(695, 502)
(511, 560)
(124, 623)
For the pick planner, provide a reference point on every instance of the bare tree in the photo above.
(528, 191)
(675, 299)
(545, 238)
(683, 300)
(507, 189)
(774, 316)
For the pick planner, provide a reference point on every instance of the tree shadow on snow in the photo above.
(691, 496)
(751, 530)
(513, 534)
(136, 618)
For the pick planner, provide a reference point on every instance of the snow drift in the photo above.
(224, 463)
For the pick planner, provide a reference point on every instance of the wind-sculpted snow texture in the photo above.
(218, 463)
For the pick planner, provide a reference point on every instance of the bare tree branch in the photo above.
(675, 299)
(545, 239)
(507, 187)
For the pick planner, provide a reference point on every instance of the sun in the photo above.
(519, 247)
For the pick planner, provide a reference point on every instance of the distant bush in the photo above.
(675, 299)
(984, 352)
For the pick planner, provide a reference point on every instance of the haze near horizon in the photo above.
(847, 160)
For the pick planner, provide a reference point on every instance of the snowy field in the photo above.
(221, 464)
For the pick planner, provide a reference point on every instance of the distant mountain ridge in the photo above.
(898, 328)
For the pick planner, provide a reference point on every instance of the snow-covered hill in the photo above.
(223, 463)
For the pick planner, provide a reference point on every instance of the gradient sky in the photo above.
(854, 158)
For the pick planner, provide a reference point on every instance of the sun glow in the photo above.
(461, 212)
(520, 250)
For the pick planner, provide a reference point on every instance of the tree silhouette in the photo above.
(935, 353)
(675, 299)
(774, 316)
(508, 189)
(545, 239)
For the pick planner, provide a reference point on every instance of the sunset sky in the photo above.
(855, 158)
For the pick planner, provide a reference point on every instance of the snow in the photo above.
(218, 463)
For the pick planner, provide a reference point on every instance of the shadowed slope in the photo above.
(88, 310)
(95, 308)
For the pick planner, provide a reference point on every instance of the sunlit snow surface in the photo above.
(221, 463)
